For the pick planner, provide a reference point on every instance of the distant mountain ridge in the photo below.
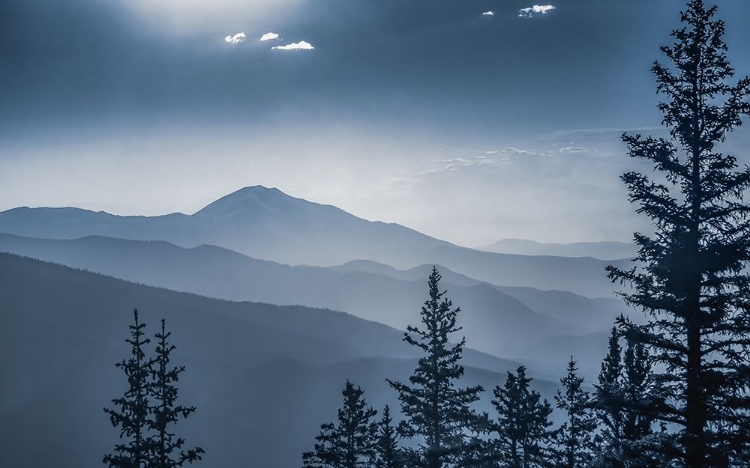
(257, 221)
(604, 250)
(494, 318)
(267, 224)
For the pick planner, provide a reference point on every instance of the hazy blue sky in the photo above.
(468, 127)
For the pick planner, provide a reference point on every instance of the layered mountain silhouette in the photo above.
(267, 224)
(600, 250)
(255, 371)
(496, 320)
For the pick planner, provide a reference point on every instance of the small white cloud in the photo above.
(236, 39)
(301, 45)
(535, 10)
(488, 13)
(271, 36)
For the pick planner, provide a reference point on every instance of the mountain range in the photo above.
(496, 320)
(601, 250)
(267, 224)
(262, 377)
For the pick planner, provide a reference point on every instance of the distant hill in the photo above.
(267, 224)
(263, 377)
(599, 250)
(496, 320)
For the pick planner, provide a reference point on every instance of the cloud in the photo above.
(269, 37)
(573, 150)
(488, 13)
(511, 153)
(301, 45)
(535, 10)
(236, 39)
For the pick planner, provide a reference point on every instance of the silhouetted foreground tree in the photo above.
(523, 425)
(131, 411)
(147, 409)
(575, 437)
(437, 412)
(167, 451)
(349, 443)
(624, 384)
(388, 454)
(693, 280)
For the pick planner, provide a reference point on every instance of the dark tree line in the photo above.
(440, 428)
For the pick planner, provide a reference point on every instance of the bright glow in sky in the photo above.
(466, 137)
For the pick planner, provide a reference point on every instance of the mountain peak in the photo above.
(250, 199)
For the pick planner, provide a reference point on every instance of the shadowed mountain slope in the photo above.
(495, 320)
(263, 377)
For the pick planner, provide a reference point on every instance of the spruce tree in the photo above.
(691, 276)
(167, 450)
(523, 425)
(438, 416)
(131, 412)
(624, 384)
(388, 454)
(575, 437)
(349, 443)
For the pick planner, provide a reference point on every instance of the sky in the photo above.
(465, 125)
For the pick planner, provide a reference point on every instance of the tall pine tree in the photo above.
(131, 412)
(349, 443)
(167, 450)
(523, 425)
(575, 437)
(438, 415)
(691, 279)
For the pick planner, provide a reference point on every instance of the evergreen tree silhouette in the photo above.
(349, 443)
(437, 412)
(523, 425)
(575, 437)
(167, 450)
(626, 435)
(388, 454)
(692, 279)
(131, 412)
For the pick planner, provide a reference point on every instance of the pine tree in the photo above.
(437, 412)
(167, 451)
(350, 443)
(523, 425)
(691, 279)
(575, 437)
(625, 434)
(388, 454)
(131, 411)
